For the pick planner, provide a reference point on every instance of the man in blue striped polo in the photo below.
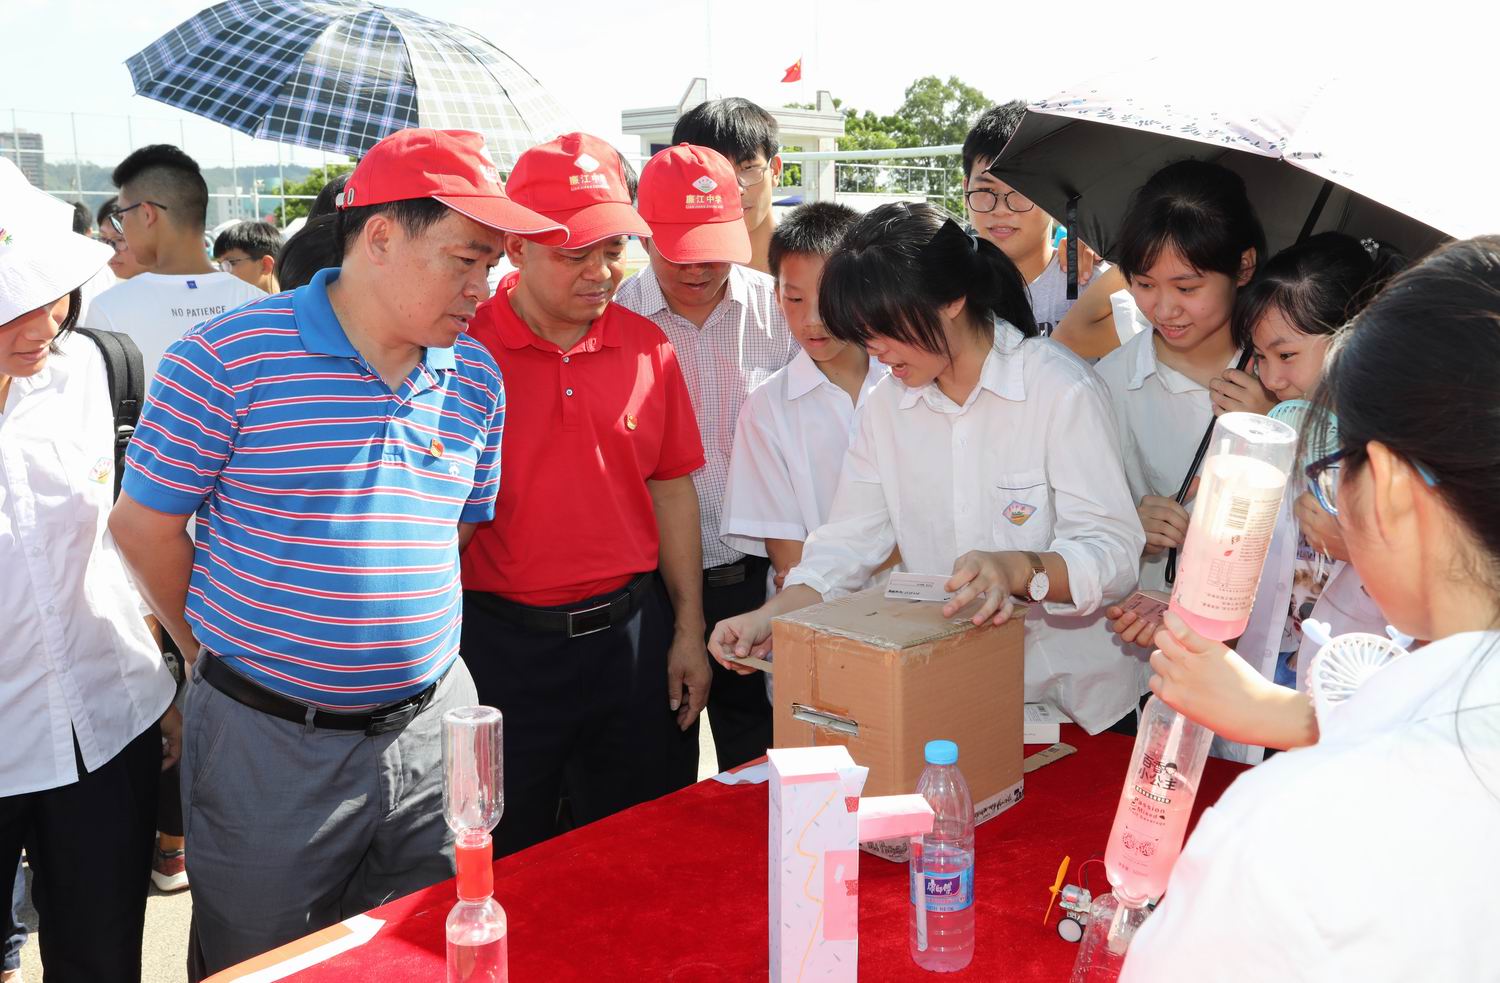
(337, 445)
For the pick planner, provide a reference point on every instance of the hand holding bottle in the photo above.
(1207, 682)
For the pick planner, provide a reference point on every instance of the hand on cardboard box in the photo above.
(995, 575)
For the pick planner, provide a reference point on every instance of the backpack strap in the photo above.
(125, 371)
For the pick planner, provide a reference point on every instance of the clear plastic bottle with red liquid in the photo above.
(1239, 495)
(473, 800)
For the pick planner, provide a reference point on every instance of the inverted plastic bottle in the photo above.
(473, 800)
(1146, 839)
(942, 873)
(1234, 514)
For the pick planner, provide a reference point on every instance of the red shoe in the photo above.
(169, 871)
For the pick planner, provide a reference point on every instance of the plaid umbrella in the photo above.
(338, 75)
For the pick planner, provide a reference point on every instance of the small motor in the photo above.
(1075, 902)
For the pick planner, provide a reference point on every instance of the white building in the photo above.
(800, 129)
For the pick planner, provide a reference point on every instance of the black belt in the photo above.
(729, 574)
(381, 720)
(588, 617)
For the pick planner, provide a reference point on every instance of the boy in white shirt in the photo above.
(161, 211)
(794, 428)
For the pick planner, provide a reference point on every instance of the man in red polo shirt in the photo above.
(568, 627)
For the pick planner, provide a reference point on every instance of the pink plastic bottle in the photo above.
(1239, 495)
(1150, 825)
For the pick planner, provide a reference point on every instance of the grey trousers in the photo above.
(291, 829)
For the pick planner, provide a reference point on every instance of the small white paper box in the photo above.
(816, 820)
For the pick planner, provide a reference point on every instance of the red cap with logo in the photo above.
(450, 166)
(577, 180)
(691, 200)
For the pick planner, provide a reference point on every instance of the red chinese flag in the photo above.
(794, 74)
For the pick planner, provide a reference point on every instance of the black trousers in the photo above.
(91, 844)
(586, 719)
(738, 710)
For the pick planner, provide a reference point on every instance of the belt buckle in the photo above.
(578, 630)
(384, 723)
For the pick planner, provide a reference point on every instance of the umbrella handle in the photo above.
(1071, 218)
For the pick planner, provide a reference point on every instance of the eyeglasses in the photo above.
(227, 265)
(984, 200)
(118, 245)
(749, 177)
(1323, 478)
(114, 216)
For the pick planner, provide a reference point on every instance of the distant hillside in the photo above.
(61, 178)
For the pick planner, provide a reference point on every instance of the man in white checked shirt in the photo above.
(729, 335)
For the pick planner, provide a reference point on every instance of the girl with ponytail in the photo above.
(988, 453)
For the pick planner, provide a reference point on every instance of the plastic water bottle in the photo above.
(942, 877)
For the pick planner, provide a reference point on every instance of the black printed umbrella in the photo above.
(1378, 157)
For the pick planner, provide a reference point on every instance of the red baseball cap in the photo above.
(691, 200)
(577, 180)
(450, 166)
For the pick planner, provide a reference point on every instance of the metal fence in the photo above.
(71, 155)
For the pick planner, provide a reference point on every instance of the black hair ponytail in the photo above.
(902, 262)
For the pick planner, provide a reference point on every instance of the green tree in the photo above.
(310, 185)
(933, 113)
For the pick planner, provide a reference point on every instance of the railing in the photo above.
(933, 174)
(245, 176)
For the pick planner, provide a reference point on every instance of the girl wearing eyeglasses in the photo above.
(1348, 860)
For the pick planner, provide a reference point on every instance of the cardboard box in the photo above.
(817, 816)
(883, 677)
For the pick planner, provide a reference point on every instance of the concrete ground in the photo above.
(164, 954)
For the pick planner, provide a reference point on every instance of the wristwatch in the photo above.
(1038, 585)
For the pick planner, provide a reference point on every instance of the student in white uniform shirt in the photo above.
(161, 211)
(1348, 860)
(1287, 316)
(794, 428)
(82, 685)
(1188, 243)
(988, 453)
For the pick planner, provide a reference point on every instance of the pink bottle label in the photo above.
(1233, 519)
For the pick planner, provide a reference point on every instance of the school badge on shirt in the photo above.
(1019, 512)
(630, 422)
(100, 472)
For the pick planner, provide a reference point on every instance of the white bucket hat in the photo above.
(41, 257)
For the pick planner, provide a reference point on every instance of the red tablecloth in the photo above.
(676, 889)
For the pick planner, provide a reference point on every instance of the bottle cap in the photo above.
(942, 753)
(476, 871)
